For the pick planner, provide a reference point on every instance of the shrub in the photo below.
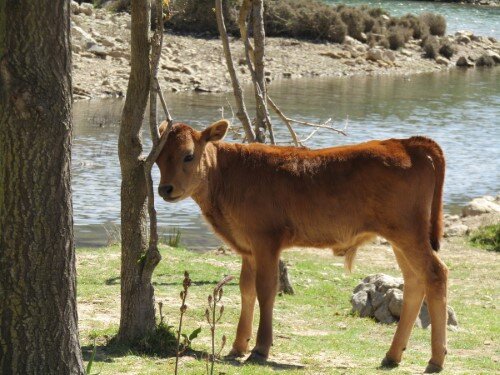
(435, 22)
(431, 47)
(198, 16)
(446, 50)
(419, 28)
(486, 61)
(487, 237)
(354, 19)
(397, 37)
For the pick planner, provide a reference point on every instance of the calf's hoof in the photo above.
(234, 353)
(256, 357)
(432, 368)
(389, 363)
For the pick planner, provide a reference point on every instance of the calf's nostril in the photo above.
(165, 190)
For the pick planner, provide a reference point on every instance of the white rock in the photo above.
(85, 38)
(374, 54)
(87, 9)
(482, 205)
(456, 230)
(442, 60)
(389, 56)
(494, 55)
(75, 7)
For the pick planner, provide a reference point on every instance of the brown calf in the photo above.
(263, 199)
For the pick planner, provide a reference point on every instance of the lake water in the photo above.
(459, 109)
(479, 19)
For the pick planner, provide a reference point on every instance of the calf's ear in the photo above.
(216, 131)
(162, 127)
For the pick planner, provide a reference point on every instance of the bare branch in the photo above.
(287, 122)
(238, 92)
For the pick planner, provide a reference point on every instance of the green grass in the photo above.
(487, 237)
(314, 330)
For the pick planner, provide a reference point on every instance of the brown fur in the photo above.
(263, 199)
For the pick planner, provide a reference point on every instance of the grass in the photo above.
(314, 330)
(487, 237)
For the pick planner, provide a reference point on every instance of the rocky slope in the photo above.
(101, 57)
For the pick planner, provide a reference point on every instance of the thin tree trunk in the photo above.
(38, 316)
(137, 294)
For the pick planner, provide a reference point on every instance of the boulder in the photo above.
(374, 54)
(464, 62)
(75, 7)
(495, 56)
(442, 60)
(483, 205)
(380, 296)
(98, 50)
(87, 9)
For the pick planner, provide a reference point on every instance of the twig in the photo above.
(238, 92)
(287, 122)
(185, 284)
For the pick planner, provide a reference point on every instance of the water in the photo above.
(479, 19)
(459, 109)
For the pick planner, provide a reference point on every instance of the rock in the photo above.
(442, 60)
(108, 42)
(483, 205)
(87, 9)
(361, 304)
(374, 54)
(350, 62)
(456, 230)
(492, 39)
(84, 37)
(463, 39)
(380, 296)
(389, 55)
(383, 315)
(98, 50)
(406, 52)
(75, 7)
(495, 56)
(395, 297)
(464, 62)
(186, 70)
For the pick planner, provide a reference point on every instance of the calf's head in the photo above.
(181, 160)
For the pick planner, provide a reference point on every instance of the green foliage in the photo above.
(397, 37)
(161, 342)
(173, 239)
(487, 237)
(354, 18)
(88, 370)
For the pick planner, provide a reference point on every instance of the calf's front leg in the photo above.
(248, 295)
(266, 283)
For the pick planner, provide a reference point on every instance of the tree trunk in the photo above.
(38, 316)
(137, 293)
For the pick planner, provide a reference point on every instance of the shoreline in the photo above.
(101, 53)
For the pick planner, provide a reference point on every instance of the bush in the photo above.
(431, 47)
(486, 61)
(397, 37)
(419, 28)
(487, 237)
(435, 22)
(198, 16)
(355, 21)
(446, 50)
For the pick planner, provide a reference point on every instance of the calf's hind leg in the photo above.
(425, 263)
(413, 294)
(248, 295)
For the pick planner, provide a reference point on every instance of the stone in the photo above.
(456, 230)
(87, 9)
(395, 297)
(380, 296)
(98, 50)
(84, 36)
(389, 55)
(492, 39)
(464, 62)
(495, 56)
(350, 62)
(75, 7)
(383, 315)
(107, 42)
(361, 304)
(482, 205)
(463, 39)
(441, 60)
(374, 54)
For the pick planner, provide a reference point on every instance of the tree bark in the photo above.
(137, 294)
(38, 316)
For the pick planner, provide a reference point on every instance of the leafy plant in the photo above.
(187, 340)
(487, 237)
(211, 316)
(88, 370)
(174, 239)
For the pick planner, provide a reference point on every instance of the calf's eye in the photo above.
(188, 158)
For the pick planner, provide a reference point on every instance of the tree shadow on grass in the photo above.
(116, 281)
